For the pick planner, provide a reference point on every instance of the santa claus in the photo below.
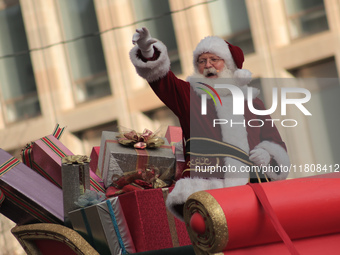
(217, 156)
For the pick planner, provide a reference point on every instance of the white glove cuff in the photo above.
(148, 53)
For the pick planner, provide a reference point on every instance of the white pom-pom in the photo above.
(242, 77)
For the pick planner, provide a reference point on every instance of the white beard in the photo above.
(226, 75)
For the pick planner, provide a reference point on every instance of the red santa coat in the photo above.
(175, 93)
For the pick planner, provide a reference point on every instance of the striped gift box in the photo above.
(44, 156)
(27, 196)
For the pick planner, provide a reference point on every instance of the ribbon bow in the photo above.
(147, 139)
(148, 178)
(145, 177)
(75, 159)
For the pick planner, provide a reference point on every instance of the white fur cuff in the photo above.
(187, 186)
(152, 70)
(280, 155)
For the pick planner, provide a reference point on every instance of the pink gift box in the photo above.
(47, 153)
(28, 197)
(94, 160)
(174, 135)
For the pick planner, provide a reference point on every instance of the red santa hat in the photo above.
(231, 54)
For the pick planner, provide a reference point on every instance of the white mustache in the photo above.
(211, 70)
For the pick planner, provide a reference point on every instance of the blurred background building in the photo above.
(67, 62)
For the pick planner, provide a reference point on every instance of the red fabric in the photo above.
(261, 195)
(237, 54)
(197, 223)
(306, 207)
(146, 215)
(94, 158)
(325, 245)
(52, 247)
(129, 188)
(112, 191)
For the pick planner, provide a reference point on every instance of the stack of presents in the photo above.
(116, 200)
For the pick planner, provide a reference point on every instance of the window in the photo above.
(160, 28)
(87, 63)
(92, 137)
(19, 98)
(306, 17)
(321, 79)
(162, 116)
(230, 21)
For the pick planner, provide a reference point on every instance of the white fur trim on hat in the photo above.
(217, 46)
(152, 70)
(281, 157)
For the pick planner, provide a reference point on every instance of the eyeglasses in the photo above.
(204, 61)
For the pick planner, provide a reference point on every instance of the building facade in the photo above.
(67, 62)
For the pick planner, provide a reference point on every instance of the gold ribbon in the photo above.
(171, 221)
(75, 159)
(216, 235)
(147, 139)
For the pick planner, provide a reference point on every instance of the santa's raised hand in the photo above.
(144, 41)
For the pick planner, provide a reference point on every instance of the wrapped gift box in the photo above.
(94, 160)
(180, 162)
(174, 135)
(75, 171)
(29, 198)
(115, 159)
(104, 227)
(151, 225)
(46, 155)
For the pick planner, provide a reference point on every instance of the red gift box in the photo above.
(151, 225)
(44, 156)
(27, 196)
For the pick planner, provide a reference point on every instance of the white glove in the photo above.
(144, 41)
(260, 157)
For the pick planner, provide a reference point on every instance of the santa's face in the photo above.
(210, 65)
